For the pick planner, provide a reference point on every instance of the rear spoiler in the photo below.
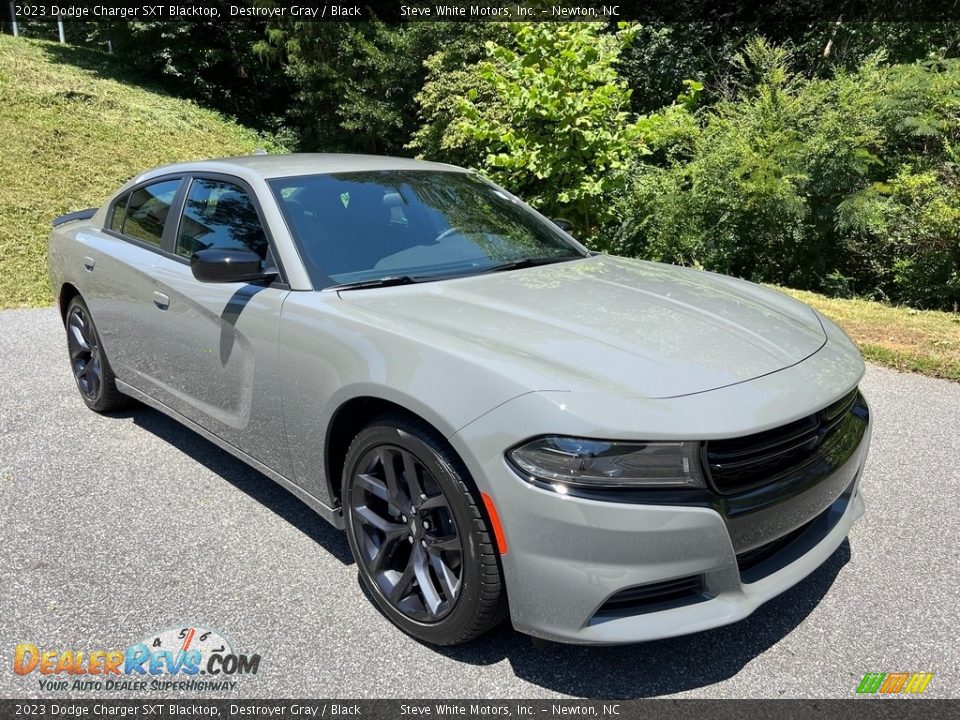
(71, 217)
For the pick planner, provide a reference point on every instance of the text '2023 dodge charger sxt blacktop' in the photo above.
(505, 423)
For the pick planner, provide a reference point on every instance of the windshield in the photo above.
(356, 227)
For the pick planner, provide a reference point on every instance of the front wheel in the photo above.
(91, 369)
(422, 545)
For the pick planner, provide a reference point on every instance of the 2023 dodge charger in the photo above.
(625, 450)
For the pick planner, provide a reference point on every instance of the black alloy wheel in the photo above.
(417, 532)
(88, 361)
(408, 538)
(84, 349)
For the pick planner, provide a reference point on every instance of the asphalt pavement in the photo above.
(115, 527)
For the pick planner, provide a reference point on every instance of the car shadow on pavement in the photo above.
(243, 477)
(661, 667)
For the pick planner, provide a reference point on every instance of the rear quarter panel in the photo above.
(117, 290)
(63, 257)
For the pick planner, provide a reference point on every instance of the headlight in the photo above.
(602, 463)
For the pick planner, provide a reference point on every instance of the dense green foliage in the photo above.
(452, 73)
(552, 118)
(847, 184)
(814, 164)
(661, 57)
(354, 83)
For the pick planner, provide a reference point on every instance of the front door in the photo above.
(217, 358)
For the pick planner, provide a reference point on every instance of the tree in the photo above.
(211, 61)
(553, 118)
(356, 82)
(846, 184)
(452, 72)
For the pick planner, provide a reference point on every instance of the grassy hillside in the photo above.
(74, 127)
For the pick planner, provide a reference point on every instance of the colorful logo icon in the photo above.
(894, 683)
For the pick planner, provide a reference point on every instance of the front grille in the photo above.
(654, 596)
(741, 463)
(772, 556)
(750, 559)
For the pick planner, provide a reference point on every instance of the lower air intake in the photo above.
(651, 597)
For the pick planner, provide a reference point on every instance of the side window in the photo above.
(119, 208)
(147, 211)
(222, 216)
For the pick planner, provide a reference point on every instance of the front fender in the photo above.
(329, 357)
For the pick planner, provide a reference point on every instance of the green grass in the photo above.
(921, 341)
(74, 127)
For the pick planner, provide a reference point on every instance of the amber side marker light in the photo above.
(495, 521)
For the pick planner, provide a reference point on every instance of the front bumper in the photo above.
(569, 556)
(557, 589)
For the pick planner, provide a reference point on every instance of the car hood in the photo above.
(606, 324)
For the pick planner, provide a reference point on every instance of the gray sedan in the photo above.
(505, 424)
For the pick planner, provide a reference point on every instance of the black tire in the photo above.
(451, 595)
(88, 361)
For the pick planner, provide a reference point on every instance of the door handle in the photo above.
(161, 301)
(88, 263)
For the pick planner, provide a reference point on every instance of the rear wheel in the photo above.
(91, 369)
(422, 545)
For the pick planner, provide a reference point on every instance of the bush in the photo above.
(452, 73)
(846, 184)
(545, 113)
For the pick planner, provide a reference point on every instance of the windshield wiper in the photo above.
(377, 282)
(393, 280)
(530, 262)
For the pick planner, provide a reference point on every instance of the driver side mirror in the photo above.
(564, 225)
(227, 266)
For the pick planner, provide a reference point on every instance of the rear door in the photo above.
(216, 343)
(117, 283)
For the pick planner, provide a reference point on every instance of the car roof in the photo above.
(293, 164)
